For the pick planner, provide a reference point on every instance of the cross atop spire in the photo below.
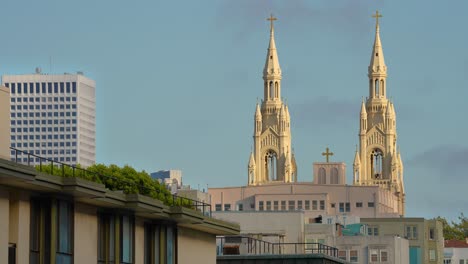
(271, 19)
(377, 16)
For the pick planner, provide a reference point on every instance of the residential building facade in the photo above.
(51, 219)
(425, 237)
(456, 251)
(53, 116)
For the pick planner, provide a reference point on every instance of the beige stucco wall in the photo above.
(4, 224)
(386, 203)
(139, 240)
(4, 122)
(20, 224)
(86, 233)
(195, 246)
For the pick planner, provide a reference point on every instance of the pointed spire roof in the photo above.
(258, 114)
(388, 110)
(251, 160)
(363, 109)
(357, 160)
(272, 67)
(393, 110)
(282, 113)
(377, 63)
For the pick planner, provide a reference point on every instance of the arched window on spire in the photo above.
(276, 89)
(271, 166)
(377, 90)
(334, 176)
(322, 176)
(272, 91)
(382, 87)
(376, 162)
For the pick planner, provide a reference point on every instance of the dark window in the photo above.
(68, 87)
(42, 225)
(19, 88)
(38, 88)
(49, 88)
(13, 89)
(370, 204)
(160, 244)
(73, 87)
(31, 88)
(56, 88)
(62, 87)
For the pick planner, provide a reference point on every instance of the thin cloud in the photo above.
(344, 16)
(325, 110)
(450, 162)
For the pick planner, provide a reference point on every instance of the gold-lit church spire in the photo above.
(378, 162)
(272, 159)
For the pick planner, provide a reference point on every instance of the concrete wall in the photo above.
(139, 240)
(19, 224)
(195, 247)
(4, 224)
(86, 234)
(385, 202)
(4, 123)
(273, 227)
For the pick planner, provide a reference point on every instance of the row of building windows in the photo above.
(38, 160)
(17, 100)
(411, 232)
(44, 151)
(43, 137)
(25, 88)
(38, 129)
(346, 207)
(291, 205)
(50, 137)
(44, 121)
(115, 238)
(13, 108)
(42, 114)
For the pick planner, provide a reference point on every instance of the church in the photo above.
(377, 189)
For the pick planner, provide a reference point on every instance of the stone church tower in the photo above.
(378, 161)
(272, 159)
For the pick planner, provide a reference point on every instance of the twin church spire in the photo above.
(377, 161)
(272, 159)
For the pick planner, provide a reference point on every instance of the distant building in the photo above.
(456, 251)
(171, 178)
(53, 116)
(4, 122)
(426, 241)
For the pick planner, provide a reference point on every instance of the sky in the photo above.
(177, 81)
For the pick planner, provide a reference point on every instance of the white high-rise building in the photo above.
(53, 116)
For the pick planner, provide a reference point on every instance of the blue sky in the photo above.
(177, 81)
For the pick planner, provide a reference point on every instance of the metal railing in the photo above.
(51, 166)
(243, 245)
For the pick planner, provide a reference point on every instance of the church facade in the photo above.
(377, 189)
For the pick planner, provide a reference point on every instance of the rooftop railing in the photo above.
(243, 245)
(54, 167)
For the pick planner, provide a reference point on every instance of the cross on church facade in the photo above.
(327, 153)
(377, 16)
(271, 19)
